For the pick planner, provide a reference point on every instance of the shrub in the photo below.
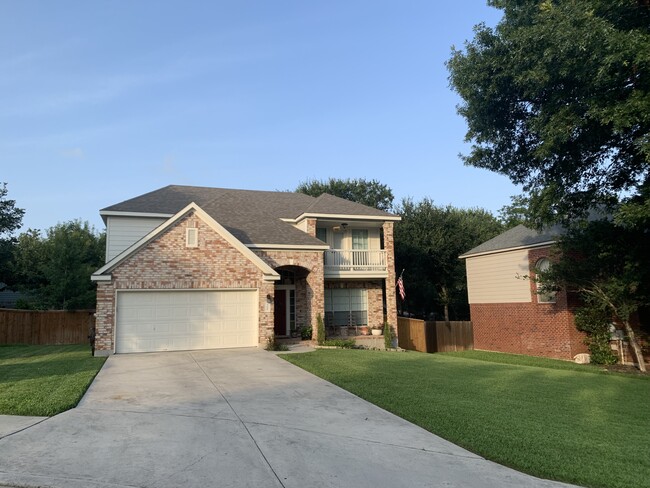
(388, 335)
(343, 343)
(305, 333)
(595, 323)
(273, 345)
(320, 330)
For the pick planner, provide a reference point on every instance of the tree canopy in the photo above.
(609, 266)
(557, 98)
(11, 218)
(54, 269)
(428, 241)
(368, 192)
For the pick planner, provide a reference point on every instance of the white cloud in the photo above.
(73, 153)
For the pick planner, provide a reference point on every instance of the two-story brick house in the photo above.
(508, 314)
(197, 268)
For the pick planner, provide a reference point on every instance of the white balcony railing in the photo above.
(355, 261)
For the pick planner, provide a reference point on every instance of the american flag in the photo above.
(400, 286)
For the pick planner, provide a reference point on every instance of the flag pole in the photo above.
(397, 285)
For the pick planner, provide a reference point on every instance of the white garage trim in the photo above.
(177, 320)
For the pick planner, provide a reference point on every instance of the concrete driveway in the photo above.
(239, 417)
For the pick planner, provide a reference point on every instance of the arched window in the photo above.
(544, 296)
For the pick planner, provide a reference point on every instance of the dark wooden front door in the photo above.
(280, 312)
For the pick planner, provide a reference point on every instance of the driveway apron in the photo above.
(236, 417)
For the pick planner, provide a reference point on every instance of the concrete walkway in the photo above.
(240, 418)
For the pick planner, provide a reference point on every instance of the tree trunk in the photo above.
(638, 353)
(445, 297)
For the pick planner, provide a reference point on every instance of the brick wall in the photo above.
(391, 293)
(534, 328)
(166, 264)
(309, 286)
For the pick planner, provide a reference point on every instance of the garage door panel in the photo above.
(184, 320)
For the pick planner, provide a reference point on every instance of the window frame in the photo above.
(541, 265)
(356, 306)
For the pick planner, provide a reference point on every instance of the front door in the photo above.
(280, 313)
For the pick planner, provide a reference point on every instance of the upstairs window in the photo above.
(543, 296)
(360, 239)
(192, 237)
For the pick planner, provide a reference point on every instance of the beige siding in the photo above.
(373, 239)
(302, 225)
(122, 232)
(498, 278)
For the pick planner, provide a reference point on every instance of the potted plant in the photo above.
(376, 330)
(364, 329)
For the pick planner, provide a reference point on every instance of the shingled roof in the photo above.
(254, 217)
(517, 237)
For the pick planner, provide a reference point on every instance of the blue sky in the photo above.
(103, 101)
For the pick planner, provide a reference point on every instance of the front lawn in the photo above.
(44, 380)
(549, 418)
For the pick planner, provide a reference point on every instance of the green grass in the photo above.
(552, 419)
(44, 380)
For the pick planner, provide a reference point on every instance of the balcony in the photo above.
(355, 263)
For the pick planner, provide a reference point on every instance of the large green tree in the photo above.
(11, 218)
(557, 97)
(55, 268)
(609, 266)
(368, 192)
(428, 241)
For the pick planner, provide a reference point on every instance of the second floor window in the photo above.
(359, 239)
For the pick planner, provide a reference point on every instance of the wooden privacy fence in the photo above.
(418, 335)
(46, 327)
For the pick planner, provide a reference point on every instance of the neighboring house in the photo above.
(507, 313)
(8, 298)
(198, 268)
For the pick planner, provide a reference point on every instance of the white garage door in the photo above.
(182, 320)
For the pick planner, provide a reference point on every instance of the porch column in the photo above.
(316, 293)
(266, 329)
(104, 318)
(391, 293)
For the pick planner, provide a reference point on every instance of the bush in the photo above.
(388, 335)
(595, 323)
(342, 343)
(273, 345)
(320, 330)
(305, 333)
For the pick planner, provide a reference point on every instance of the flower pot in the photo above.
(376, 332)
(364, 330)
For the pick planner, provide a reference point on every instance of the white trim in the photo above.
(302, 247)
(116, 213)
(343, 217)
(94, 277)
(139, 290)
(517, 248)
(269, 273)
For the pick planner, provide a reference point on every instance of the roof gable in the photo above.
(516, 238)
(103, 273)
